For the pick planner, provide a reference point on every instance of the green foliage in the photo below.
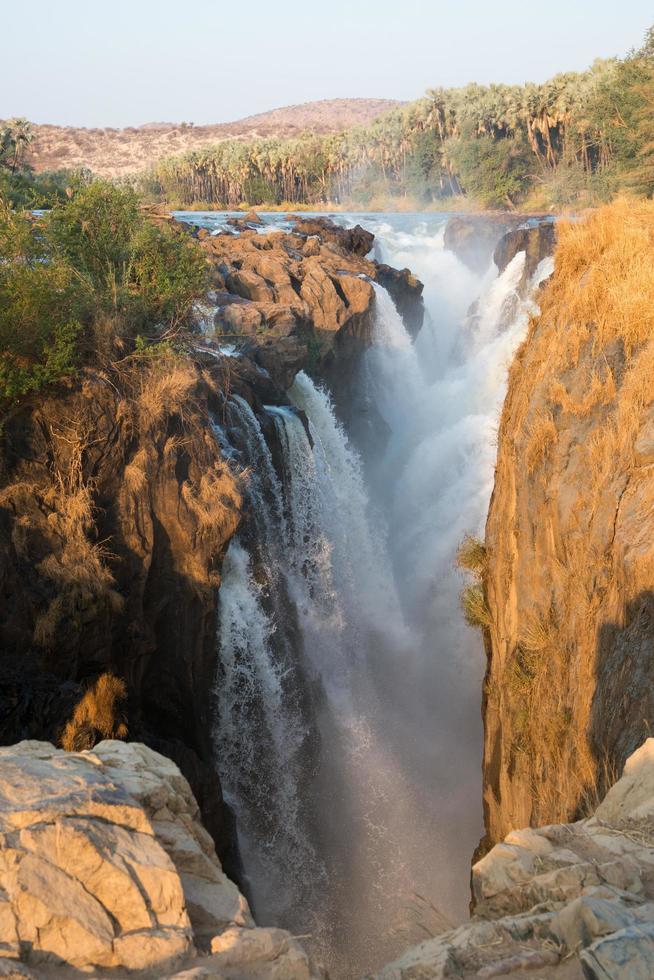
(621, 108)
(41, 308)
(25, 190)
(84, 282)
(496, 172)
(94, 231)
(139, 272)
(15, 136)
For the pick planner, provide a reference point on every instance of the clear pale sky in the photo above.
(125, 62)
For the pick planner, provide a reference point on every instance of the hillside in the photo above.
(117, 152)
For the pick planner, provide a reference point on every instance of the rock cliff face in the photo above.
(565, 901)
(104, 865)
(115, 510)
(474, 237)
(569, 568)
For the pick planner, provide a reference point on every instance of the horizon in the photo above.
(90, 67)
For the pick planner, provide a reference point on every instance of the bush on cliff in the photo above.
(148, 275)
(80, 284)
(41, 311)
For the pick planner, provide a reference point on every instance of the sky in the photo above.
(126, 62)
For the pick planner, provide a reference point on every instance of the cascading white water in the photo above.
(352, 626)
(367, 563)
(260, 731)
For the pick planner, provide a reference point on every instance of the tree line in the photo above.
(578, 135)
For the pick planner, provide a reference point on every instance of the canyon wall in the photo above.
(116, 508)
(568, 568)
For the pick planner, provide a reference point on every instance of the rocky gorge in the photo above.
(242, 557)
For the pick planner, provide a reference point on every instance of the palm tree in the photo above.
(22, 136)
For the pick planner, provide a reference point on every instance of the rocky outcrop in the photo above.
(305, 300)
(357, 240)
(474, 237)
(565, 901)
(569, 568)
(104, 865)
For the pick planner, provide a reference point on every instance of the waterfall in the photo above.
(434, 483)
(348, 727)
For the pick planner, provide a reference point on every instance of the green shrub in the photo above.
(41, 311)
(143, 273)
(82, 283)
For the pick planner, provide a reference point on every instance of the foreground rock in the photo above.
(104, 865)
(565, 901)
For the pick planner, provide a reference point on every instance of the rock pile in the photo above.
(568, 901)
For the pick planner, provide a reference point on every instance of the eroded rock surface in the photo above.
(564, 901)
(104, 864)
(305, 299)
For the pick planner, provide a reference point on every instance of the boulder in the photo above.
(628, 953)
(105, 866)
(406, 292)
(355, 240)
(87, 881)
(249, 221)
(537, 241)
(249, 285)
(631, 799)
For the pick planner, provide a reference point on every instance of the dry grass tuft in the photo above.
(536, 635)
(165, 390)
(135, 472)
(471, 555)
(76, 570)
(475, 610)
(99, 715)
(212, 500)
(543, 436)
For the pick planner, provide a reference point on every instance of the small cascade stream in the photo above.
(348, 723)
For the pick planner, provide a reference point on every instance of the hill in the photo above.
(118, 152)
